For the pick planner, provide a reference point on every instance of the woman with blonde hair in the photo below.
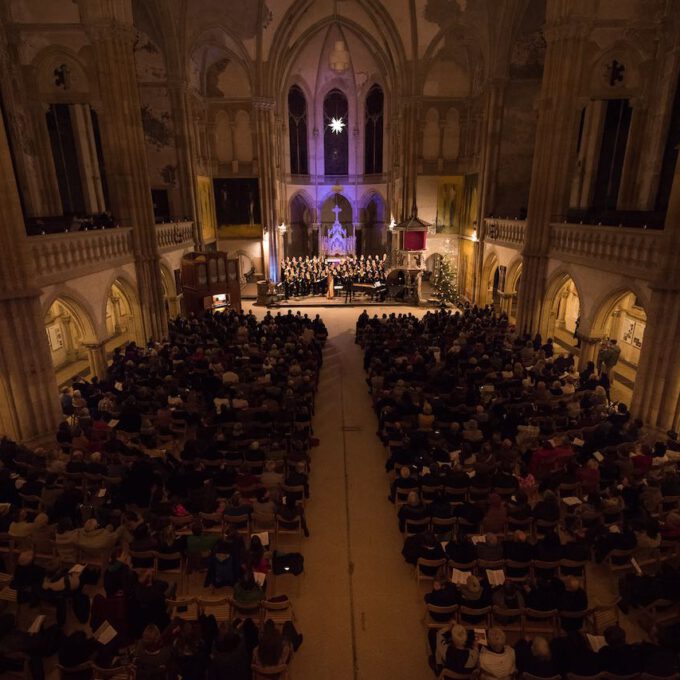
(153, 658)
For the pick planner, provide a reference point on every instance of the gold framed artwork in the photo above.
(206, 206)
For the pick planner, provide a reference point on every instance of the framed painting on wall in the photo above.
(55, 337)
(206, 206)
(237, 206)
(638, 334)
(628, 331)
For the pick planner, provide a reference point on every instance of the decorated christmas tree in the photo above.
(445, 281)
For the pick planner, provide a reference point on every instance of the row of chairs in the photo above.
(524, 621)
(451, 675)
(517, 572)
(224, 608)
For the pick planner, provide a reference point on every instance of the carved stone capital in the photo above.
(264, 103)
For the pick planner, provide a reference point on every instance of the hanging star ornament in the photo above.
(336, 125)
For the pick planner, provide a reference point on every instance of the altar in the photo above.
(335, 244)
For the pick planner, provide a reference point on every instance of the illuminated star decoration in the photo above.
(336, 125)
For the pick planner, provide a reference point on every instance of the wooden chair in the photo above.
(582, 616)
(219, 607)
(249, 610)
(615, 676)
(507, 619)
(297, 492)
(278, 612)
(446, 674)
(117, 673)
(456, 495)
(288, 531)
(176, 573)
(185, 608)
(469, 617)
(542, 527)
(142, 560)
(618, 561)
(545, 569)
(213, 522)
(84, 670)
(576, 568)
(270, 672)
(32, 504)
(427, 493)
(574, 676)
(517, 572)
(434, 616)
(428, 564)
(444, 526)
(20, 661)
(239, 522)
(536, 621)
(529, 676)
(416, 526)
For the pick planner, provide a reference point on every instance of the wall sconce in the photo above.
(475, 238)
(282, 228)
(392, 224)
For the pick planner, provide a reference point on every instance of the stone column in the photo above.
(492, 135)
(555, 149)
(628, 199)
(185, 145)
(88, 162)
(71, 350)
(265, 134)
(29, 404)
(96, 355)
(562, 309)
(109, 23)
(656, 394)
(590, 346)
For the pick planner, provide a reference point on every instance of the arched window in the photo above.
(335, 134)
(297, 131)
(373, 148)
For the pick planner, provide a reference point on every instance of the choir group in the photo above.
(317, 276)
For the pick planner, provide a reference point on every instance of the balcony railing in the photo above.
(59, 257)
(616, 249)
(505, 232)
(174, 235)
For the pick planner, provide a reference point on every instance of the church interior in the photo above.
(338, 336)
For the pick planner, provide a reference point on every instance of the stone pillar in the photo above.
(109, 23)
(590, 346)
(186, 155)
(555, 149)
(656, 394)
(71, 349)
(96, 355)
(628, 199)
(265, 137)
(29, 403)
(88, 162)
(492, 135)
(27, 127)
(562, 309)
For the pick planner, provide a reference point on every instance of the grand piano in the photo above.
(375, 291)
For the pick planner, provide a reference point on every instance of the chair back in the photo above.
(270, 672)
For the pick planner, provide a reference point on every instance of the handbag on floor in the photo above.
(288, 563)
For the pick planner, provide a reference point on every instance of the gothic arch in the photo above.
(607, 303)
(490, 265)
(79, 309)
(129, 290)
(557, 281)
(284, 53)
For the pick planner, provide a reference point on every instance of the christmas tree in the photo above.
(445, 281)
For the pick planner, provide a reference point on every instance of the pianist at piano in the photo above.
(306, 276)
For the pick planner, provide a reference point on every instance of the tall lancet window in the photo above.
(335, 142)
(297, 131)
(373, 148)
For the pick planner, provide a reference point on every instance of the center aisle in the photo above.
(358, 607)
